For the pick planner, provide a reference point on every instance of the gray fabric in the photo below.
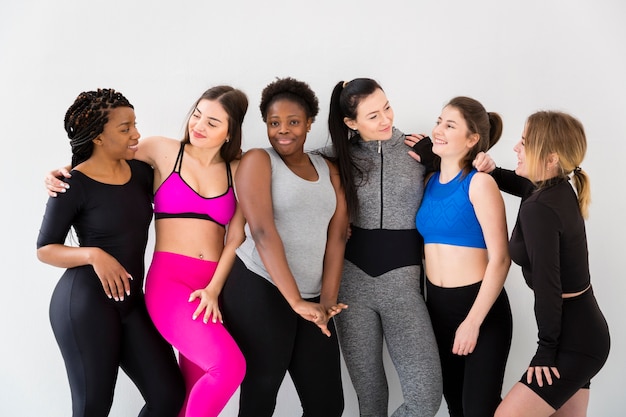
(389, 307)
(302, 212)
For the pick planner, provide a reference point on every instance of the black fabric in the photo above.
(472, 384)
(583, 350)
(274, 340)
(424, 148)
(97, 335)
(376, 251)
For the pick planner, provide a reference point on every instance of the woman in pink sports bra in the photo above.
(198, 227)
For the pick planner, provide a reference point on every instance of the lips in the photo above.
(197, 135)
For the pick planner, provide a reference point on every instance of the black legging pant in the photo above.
(472, 384)
(274, 340)
(97, 335)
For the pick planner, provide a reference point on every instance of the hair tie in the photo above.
(345, 83)
(577, 170)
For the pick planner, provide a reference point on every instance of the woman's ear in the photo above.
(472, 140)
(351, 123)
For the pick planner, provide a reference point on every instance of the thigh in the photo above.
(88, 331)
(150, 363)
(360, 334)
(484, 368)
(316, 371)
(264, 326)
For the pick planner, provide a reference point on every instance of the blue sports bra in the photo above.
(176, 199)
(447, 215)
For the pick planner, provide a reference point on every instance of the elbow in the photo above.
(42, 253)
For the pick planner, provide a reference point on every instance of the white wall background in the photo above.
(514, 56)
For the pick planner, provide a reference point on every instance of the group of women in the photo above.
(257, 258)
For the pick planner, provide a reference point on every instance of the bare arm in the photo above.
(253, 180)
(489, 208)
(335, 248)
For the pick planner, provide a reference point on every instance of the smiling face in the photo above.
(521, 169)
(120, 136)
(208, 124)
(287, 126)
(374, 117)
(450, 136)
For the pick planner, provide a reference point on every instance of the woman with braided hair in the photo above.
(198, 227)
(98, 313)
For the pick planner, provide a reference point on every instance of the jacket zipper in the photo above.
(380, 152)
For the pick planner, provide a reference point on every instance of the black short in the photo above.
(583, 350)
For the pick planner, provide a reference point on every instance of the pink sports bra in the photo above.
(176, 199)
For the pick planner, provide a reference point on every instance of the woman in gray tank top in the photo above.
(281, 294)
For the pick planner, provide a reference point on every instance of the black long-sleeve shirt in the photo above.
(549, 242)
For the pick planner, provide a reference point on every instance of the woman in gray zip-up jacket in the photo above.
(383, 258)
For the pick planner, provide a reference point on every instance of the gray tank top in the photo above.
(302, 212)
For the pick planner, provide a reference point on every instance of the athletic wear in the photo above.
(96, 334)
(549, 242)
(210, 360)
(447, 215)
(381, 284)
(472, 384)
(302, 212)
(212, 364)
(273, 338)
(176, 199)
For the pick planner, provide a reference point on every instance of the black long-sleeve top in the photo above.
(549, 242)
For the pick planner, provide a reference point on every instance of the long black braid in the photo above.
(85, 119)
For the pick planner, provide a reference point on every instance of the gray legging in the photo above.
(389, 306)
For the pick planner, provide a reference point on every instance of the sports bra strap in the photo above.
(229, 175)
(179, 159)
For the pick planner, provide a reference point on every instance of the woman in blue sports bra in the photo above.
(463, 223)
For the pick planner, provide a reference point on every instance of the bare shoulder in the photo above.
(484, 188)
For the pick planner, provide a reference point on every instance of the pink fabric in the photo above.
(211, 362)
(175, 196)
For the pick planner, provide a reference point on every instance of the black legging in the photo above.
(472, 384)
(274, 340)
(97, 335)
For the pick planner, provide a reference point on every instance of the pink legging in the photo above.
(210, 360)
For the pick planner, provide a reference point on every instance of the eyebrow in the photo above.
(447, 121)
(209, 117)
(376, 111)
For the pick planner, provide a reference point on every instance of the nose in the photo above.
(283, 128)
(516, 148)
(135, 133)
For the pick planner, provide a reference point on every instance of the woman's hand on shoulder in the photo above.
(484, 163)
(54, 183)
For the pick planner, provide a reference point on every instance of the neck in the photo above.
(449, 169)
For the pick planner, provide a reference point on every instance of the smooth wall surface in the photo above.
(514, 56)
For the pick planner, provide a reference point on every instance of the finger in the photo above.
(548, 375)
(207, 316)
(529, 375)
(324, 329)
(107, 289)
(415, 156)
(538, 376)
(119, 289)
(556, 372)
(126, 282)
